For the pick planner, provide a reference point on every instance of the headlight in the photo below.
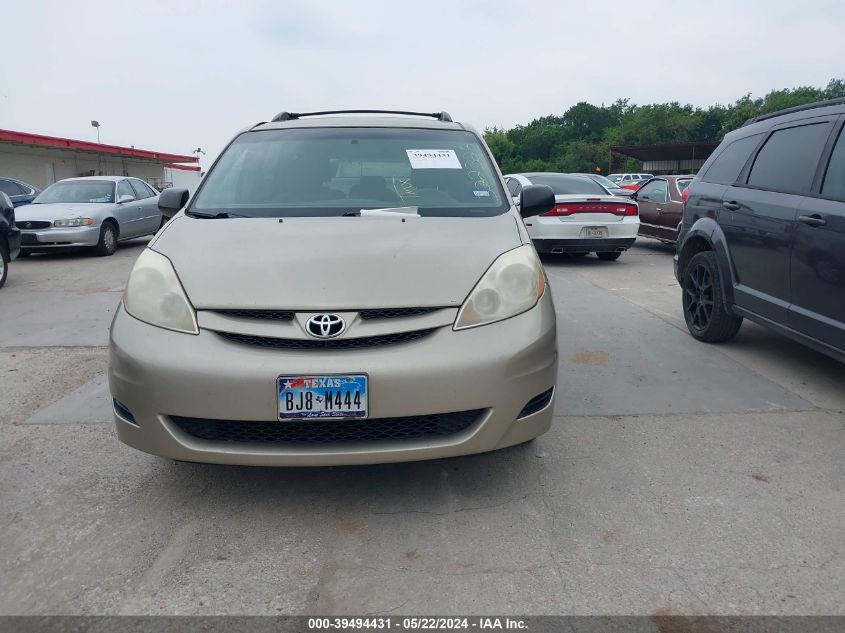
(74, 222)
(155, 295)
(512, 285)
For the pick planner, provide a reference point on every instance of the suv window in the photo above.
(730, 161)
(141, 190)
(339, 170)
(656, 191)
(11, 188)
(788, 160)
(834, 178)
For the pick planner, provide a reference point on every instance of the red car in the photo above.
(661, 202)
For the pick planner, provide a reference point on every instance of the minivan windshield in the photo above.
(342, 170)
(77, 191)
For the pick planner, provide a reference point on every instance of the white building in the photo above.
(42, 160)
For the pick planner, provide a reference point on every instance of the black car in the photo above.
(18, 191)
(763, 233)
(10, 237)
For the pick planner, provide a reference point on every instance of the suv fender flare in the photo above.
(707, 235)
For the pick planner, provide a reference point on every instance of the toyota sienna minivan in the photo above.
(344, 288)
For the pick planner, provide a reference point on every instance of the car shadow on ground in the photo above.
(82, 252)
(773, 348)
(437, 486)
(654, 246)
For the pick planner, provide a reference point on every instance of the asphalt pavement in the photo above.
(678, 478)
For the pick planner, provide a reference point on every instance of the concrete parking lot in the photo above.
(677, 478)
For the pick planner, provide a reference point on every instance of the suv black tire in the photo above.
(609, 257)
(702, 289)
(108, 240)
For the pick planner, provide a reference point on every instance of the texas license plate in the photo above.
(326, 396)
(595, 231)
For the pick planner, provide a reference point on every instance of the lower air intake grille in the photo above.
(328, 431)
(537, 403)
(333, 343)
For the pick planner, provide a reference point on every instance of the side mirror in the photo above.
(172, 199)
(125, 198)
(536, 200)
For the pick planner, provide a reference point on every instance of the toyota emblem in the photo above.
(325, 325)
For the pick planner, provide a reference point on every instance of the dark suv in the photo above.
(10, 236)
(763, 233)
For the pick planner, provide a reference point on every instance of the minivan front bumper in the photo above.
(160, 378)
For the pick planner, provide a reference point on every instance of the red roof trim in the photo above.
(182, 167)
(57, 142)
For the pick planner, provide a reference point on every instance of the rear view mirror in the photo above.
(172, 199)
(536, 200)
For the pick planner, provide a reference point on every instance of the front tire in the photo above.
(703, 301)
(609, 257)
(107, 244)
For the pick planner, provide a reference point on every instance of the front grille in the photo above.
(393, 313)
(267, 315)
(329, 431)
(33, 224)
(333, 343)
(287, 315)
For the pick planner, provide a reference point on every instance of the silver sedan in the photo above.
(95, 211)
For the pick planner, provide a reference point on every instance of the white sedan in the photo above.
(586, 217)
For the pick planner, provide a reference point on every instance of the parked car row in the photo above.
(95, 212)
(586, 218)
(19, 192)
(629, 181)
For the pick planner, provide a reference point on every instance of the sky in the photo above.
(176, 75)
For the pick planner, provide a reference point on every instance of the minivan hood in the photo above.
(333, 263)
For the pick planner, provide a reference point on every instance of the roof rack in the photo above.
(807, 106)
(289, 116)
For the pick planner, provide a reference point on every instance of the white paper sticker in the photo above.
(433, 159)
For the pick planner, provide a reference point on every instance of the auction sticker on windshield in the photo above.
(433, 159)
(326, 396)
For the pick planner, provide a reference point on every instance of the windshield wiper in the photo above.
(218, 215)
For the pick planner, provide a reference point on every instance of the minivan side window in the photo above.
(834, 178)
(727, 165)
(788, 160)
